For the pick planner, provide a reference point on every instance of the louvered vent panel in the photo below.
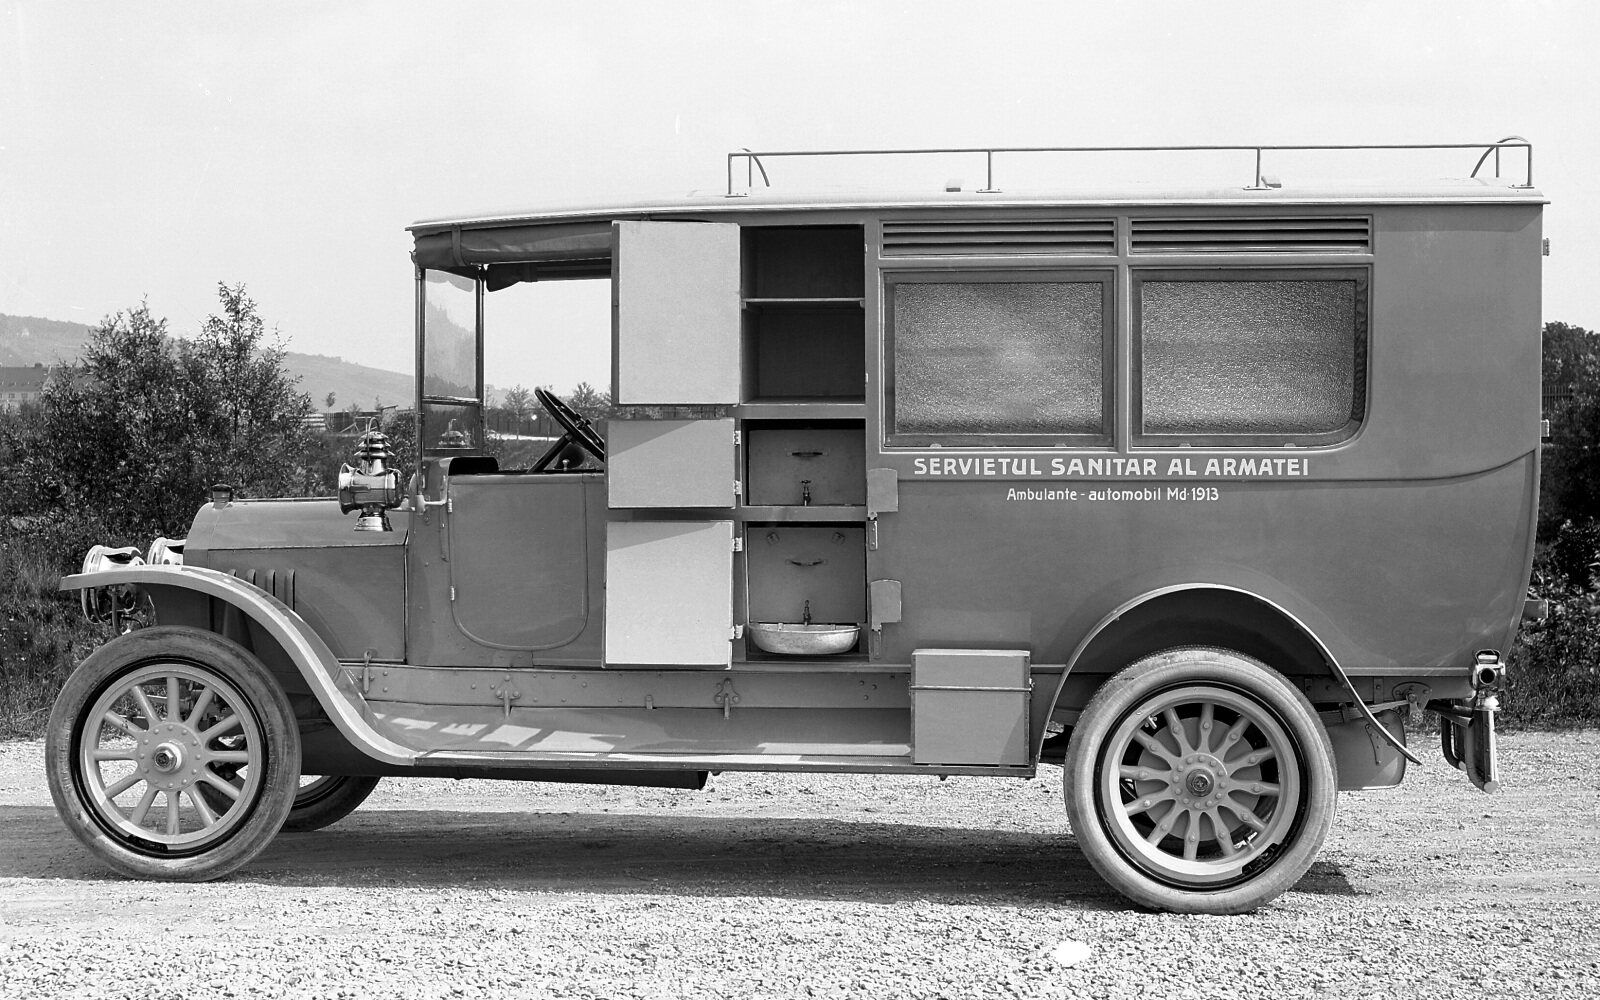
(991, 238)
(1281, 235)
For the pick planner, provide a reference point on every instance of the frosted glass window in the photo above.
(998, 357)
(1250, 357)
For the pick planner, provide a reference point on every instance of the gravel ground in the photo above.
(825, 886)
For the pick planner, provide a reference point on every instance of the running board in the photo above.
(867, 740)
(815, 763)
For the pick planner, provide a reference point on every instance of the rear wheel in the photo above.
(324, 799)
(1200, 781)
(172, 753)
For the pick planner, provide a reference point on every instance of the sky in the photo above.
(150, 151)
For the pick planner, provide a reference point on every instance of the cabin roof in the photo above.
(760, 201)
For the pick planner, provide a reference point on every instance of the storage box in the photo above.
(970, 706)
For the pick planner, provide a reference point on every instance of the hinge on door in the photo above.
(738, 437)
(738, 543)
(738, 488)
(884, 607)
(883, 497)
(452, 592)
(736, 632)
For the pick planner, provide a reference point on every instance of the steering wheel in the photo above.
(578, 430)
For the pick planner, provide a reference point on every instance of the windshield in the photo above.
(452, 419)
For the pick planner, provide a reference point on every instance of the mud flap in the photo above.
(1466, 737)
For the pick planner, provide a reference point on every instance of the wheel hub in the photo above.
(1199, 777)
(1200, 782)
(168, 757)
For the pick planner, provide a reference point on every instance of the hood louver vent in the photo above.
(278, 583)
(991, 238)
(1281, 235)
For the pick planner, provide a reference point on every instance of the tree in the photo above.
(128, 440)
(591, 402)
(102, 450)
(1570, 486)
(518, 402)
(1567, 350)
(247, 411)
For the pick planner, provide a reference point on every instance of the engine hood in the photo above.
(348, 585)
(282, 524)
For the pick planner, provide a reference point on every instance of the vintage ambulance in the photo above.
(1191, 491)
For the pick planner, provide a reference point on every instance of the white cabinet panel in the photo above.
(677, 312)
(669, 593)
(670, 463)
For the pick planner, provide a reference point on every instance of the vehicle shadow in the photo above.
(800, 858)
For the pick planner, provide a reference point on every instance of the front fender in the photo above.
(300, 643)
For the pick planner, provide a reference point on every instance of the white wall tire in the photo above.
(1200, 781)
(172, 753)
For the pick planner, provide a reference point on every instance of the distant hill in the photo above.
(26, 340)
(349, 382)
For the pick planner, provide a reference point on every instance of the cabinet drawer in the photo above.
(785, 462)
(790, 566)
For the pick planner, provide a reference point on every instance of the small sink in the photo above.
(794, 639)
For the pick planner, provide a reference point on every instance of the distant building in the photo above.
(21, 385)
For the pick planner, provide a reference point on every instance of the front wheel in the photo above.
(172, 753)
(1200, 781)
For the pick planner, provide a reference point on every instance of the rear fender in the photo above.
(1305, 639)
(186, 595)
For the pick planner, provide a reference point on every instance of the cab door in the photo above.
(671, 458)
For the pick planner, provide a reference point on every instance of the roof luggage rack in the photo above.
(1261, 181)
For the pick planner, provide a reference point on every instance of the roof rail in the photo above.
(753, 158)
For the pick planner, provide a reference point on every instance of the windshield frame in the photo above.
(435, 411)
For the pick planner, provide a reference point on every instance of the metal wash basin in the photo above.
(794, 639)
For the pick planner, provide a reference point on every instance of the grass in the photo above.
(42, 636)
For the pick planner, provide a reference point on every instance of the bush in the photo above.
(124, 447)
(1553, 679)
(1554, 675)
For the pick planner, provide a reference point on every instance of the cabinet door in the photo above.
(670, 463)
(675, 318)
(669, 593)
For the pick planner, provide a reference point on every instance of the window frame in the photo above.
(1105, 277)
(1361, 362)
(434, 404)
